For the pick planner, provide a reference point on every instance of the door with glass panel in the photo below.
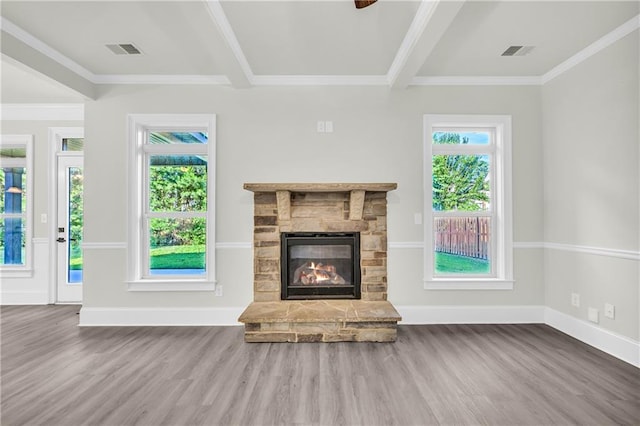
(69, 227)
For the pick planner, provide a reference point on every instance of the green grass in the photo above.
(75, 262)
(175, 257)
(456, 264)
(178, 257)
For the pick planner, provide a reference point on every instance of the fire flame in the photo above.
(320, 274)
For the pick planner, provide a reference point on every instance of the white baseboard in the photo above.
(471, 314)
(90, 317)
(612, 343)
(24, 298)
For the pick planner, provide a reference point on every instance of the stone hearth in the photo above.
(329, 207)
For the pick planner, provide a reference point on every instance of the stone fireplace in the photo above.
(320, 263)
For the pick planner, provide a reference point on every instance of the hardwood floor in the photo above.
(55, 373)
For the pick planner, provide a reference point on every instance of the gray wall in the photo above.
(264, 133)
(591, 186)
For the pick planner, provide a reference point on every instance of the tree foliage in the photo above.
(178, 188)
(460, 182)
(76, 205)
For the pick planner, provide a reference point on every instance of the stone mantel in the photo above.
(356, 199)
(320, 187)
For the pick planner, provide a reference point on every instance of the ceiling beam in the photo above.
(237, 67)
(25, 49)
(432, 19)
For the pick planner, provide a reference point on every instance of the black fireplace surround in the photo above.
(320, 265)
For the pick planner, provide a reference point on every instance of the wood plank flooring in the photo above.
(55, 373)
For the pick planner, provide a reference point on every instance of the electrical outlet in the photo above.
(593, 315)
(609, 310)
(417, 218)
(575, 300)
(218, 290)
(320, 127)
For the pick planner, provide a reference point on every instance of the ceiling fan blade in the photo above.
(364, 3)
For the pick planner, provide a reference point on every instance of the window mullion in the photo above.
(175, 215)
(462, 213)
(462, 150)
(177, 149)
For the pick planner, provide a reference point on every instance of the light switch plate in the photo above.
(575, 300)
(328, 126)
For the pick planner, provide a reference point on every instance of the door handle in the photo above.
(61, 240)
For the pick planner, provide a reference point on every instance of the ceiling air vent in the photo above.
(517, 50)
(124, 49)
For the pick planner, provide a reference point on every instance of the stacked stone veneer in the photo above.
(282, 208)
(320, 212)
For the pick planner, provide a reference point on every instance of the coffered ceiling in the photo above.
(63, 44)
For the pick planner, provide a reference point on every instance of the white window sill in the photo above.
(16, 273)
(468, 284)
(173, 285)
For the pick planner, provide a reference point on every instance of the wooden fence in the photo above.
(465, 236)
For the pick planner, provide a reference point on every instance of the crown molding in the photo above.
(44, 112)
(160, 79)
(477, 81)
(320, 80)
(595, 47)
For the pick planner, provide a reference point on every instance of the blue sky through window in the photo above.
(475, 138)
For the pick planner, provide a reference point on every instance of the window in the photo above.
(15, 205)
(172, 227)
(468, 237)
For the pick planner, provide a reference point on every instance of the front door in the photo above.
(69, 228)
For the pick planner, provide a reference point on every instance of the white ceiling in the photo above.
(244, 43)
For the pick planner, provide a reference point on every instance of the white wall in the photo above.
(269, 135)
(591, 187)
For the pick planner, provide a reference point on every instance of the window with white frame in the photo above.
(467, 169)
(172, 224)
(16, 173)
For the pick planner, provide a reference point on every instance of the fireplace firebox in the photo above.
(320, 265)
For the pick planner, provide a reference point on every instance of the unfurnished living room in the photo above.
(320, 212)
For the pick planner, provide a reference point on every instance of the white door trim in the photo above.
(56, 134)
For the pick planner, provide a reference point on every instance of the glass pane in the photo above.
(177, 137)
(178, 183)
(177, 246)
(329, 264)
(462, 245)
(13, 152)
(12, 241)
(13, 181)
(462, 138)
(72, 144)
(76, 220)
(461, 182)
